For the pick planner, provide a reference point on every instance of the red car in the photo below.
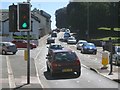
(23, 44)
(63, 61)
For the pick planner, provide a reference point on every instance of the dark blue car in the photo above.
(89, 48)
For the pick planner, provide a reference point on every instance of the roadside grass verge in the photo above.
(106, 28)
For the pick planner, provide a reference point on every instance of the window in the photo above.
(69, 56)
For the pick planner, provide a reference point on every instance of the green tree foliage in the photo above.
(85, 17)
(61, 18)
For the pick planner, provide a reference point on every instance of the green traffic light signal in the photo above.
(24, 25)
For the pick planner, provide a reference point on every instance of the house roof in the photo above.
(41, 12)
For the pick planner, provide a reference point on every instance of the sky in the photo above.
(49, 6)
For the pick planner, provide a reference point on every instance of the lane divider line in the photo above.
(37, 68)
(10, 74)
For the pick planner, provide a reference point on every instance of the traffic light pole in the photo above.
(28, 49)
(28, 61)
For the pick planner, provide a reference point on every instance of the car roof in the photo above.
(63, 50)
(82, 41)
(90, 43)
(8, 43)
(55, 44)
(5, 42)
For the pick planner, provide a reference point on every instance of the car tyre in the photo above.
(78, 74)
(48, 70)
(94, 53)
(82, 51)
(14, 52)
(77, 48)
(4, 52)
(116, 61)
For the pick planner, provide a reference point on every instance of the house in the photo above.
(45, 25)
(40, 24)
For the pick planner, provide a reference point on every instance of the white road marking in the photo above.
(38, 53)
(37, 69)
(42, 68)
(88, 81)
(77, 81)
(10, 74)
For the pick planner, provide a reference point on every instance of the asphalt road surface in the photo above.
(88, 78)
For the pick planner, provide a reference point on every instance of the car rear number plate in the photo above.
(66, 70)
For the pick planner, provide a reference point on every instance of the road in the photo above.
(88, 78)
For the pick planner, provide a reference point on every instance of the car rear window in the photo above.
(61, 56)
(56, 47)
(9, 44)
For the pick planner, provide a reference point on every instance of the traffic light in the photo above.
(13, 18)
(24, 17)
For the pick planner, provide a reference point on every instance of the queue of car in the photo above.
(8, 47)
(23, 44)
(60, 59)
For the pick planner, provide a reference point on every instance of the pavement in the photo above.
(17, 75)
(105, 70)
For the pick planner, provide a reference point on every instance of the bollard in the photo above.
(25, 55)
(105, 58)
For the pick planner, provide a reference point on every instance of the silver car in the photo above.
(6, 47)
(80, 43)
(71, 40)
(116, 55)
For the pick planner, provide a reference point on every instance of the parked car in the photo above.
(116, 55)
(6, 47)
(63, 61)
(89, 48)
(54, 47)
(23, 44)
(50, 40)
(71, 40)
(80, 43)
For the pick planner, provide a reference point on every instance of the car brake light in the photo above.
(77, 62)
(54, 64)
